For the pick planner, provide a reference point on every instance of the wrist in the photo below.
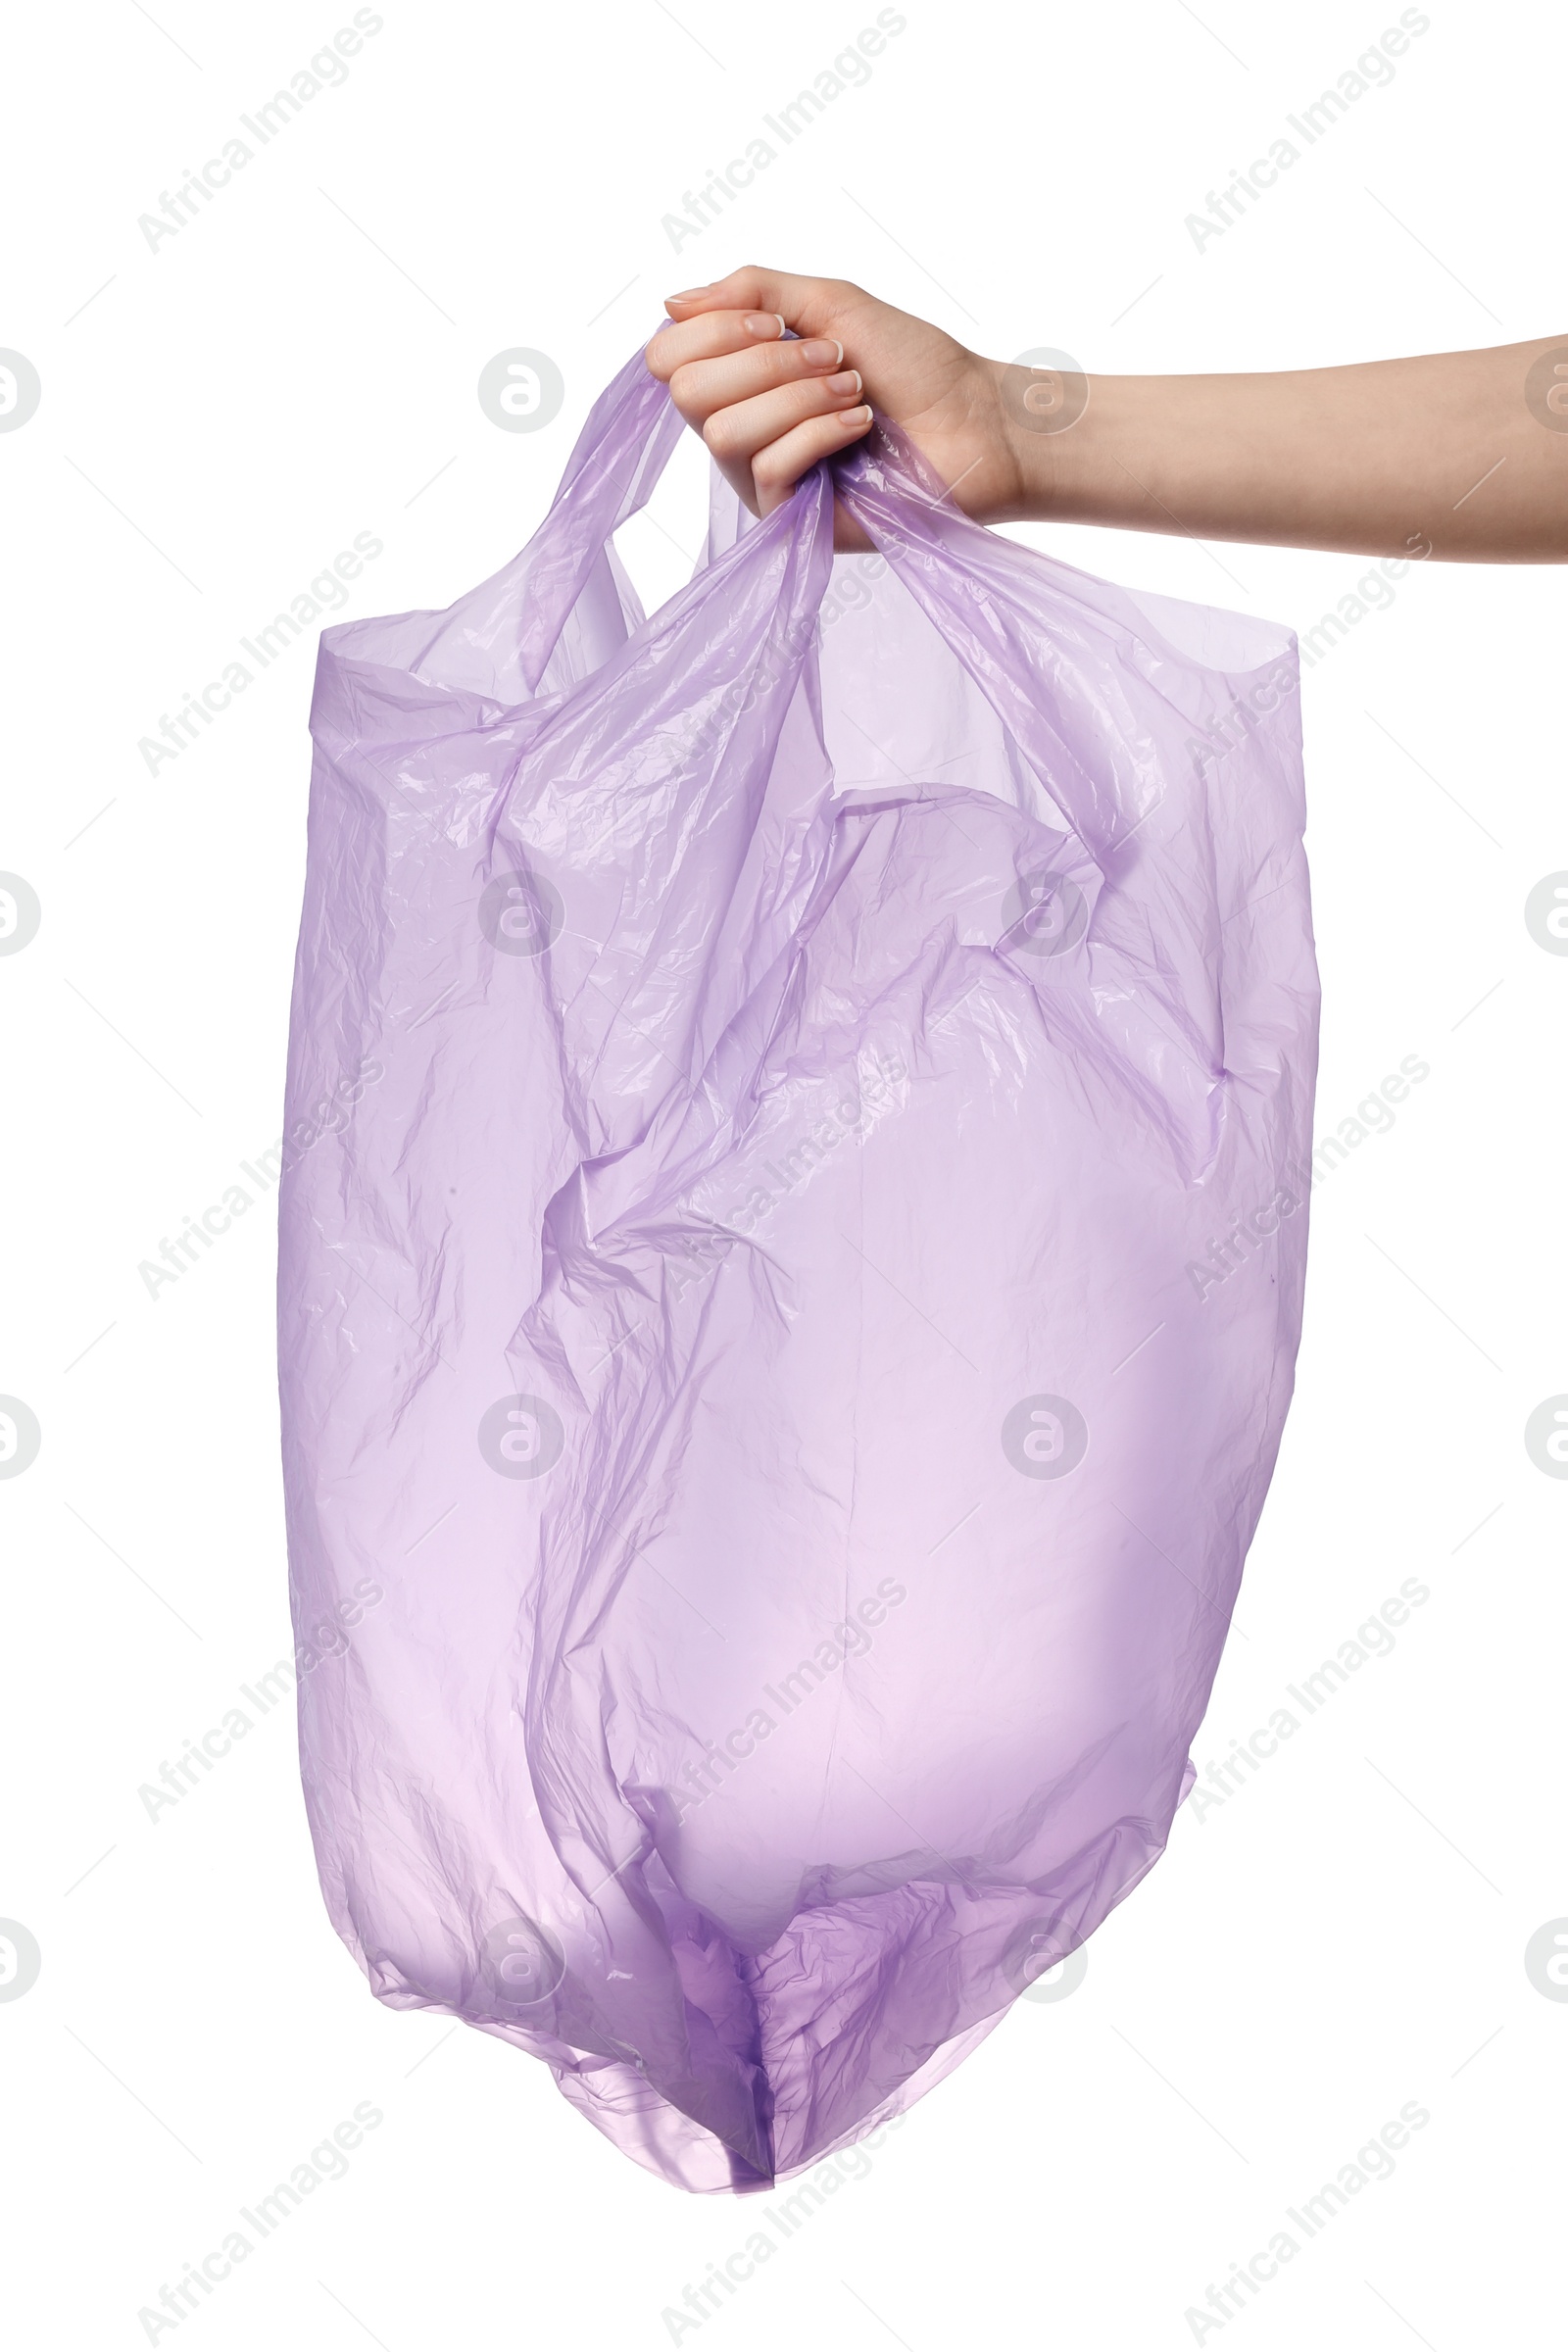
(1044, 431)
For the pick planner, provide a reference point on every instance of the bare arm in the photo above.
(1461, 455)
(1445, 450)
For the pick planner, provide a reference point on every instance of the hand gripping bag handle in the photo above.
(1051, 649)
(1079, 673)
(619, 455)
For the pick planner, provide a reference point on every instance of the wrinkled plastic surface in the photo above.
(770, 1441)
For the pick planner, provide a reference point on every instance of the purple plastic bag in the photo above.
(792, 1257)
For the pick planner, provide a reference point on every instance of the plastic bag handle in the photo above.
(964, 579)
(957, 571)
(622, 449)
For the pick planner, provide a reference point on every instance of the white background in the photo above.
(1346, 1933)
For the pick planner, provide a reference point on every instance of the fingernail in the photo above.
(849, 381)
(822, 351)
(689, 294)
(861, 416)
(764, 323)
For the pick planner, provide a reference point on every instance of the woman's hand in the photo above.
(1460, 454)
(770, 410)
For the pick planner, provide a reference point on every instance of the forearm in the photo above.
(1444, 454)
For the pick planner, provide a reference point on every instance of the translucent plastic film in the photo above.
(793, 1242)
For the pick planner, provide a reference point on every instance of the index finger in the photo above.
(811, 304)
(713, 336)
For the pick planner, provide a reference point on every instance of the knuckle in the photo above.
(720, 433)
(686, 391)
